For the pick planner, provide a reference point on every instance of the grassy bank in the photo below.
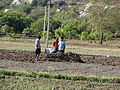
(14, 80)
(29, 83)
(60, 76)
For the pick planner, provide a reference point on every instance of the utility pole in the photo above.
(48, 24)
(45, 19)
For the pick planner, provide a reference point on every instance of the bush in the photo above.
(54, 24)
(24, 7)
(108, 36)
(37, 13)
(60, 33)
(42, 2)
(11, 35)
(28, 31)
(44, 34)
(5, 4)
(16, 20)
(7, 29)
(84, 36)
(71, 31)
(94, 35)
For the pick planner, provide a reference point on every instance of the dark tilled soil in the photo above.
(30, 56)
(58, 63)
(58, 57)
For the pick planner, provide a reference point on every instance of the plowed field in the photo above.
(58, 57)
(58, 63)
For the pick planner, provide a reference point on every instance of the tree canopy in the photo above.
(16, 20)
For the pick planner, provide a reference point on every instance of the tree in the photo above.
(104, 19)
(67, 15)
(24, 7)
(28, 31)
(5, 4)
(42, 2)
(16, 20)
(37, 13)
(60, 33)
(54, 24)
(38, 25)
(71, 30)
(114, 17)
(84, 36)
(7, 29)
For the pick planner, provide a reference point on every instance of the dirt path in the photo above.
(62, 68)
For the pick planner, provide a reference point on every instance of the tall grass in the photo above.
(59, 76)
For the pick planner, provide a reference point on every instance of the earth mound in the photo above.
(66, 57)
(30, 56)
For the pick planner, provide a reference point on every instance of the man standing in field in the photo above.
(37, 46)
(61, 45)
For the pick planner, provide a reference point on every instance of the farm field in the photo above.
(23, 83)
(90, 29)
(69, 63)
(111, 48)
(18, 54)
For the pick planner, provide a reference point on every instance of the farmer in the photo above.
(62, 45)
(37, 46)
(55, 45)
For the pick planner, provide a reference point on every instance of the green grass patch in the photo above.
(29, 83)
(59, 76)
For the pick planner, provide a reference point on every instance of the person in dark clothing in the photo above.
(37, 46)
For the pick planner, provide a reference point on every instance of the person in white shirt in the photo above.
(62, 45)
(37, 46)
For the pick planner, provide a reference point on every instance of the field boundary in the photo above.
(59, 76)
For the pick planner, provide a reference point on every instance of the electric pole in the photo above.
(45, 19)
(48, 24)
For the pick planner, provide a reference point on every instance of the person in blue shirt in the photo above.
(62, 45)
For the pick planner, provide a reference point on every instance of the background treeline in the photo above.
(101, 23)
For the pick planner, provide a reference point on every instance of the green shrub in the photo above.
(60, 33)
(11, 35)
(28, 31)
(44, 34)
(94, 35)
(24, 7)
(108, 36)
(71, 31)
(7, 29)
(16, 20)
(84, 36)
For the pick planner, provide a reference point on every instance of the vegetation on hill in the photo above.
(5, 4)
(93, 20)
